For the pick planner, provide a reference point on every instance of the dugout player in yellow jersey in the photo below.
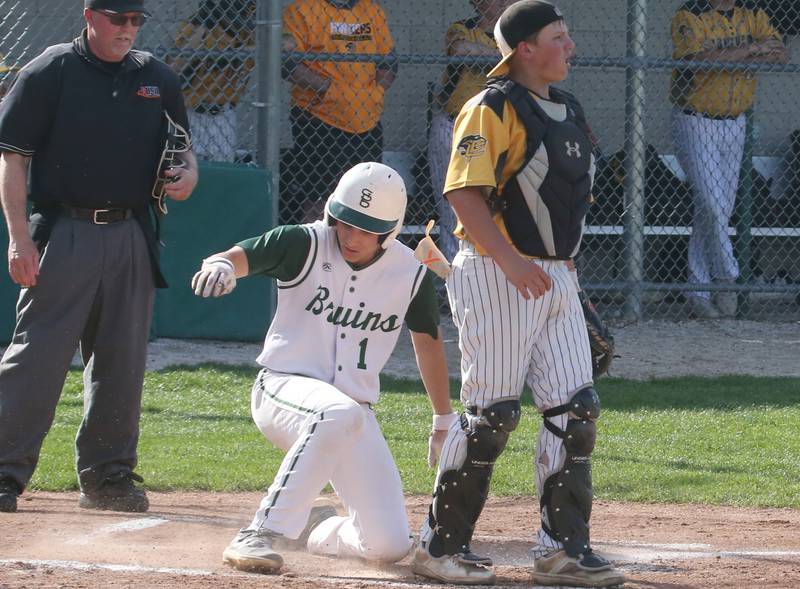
(336, 105)
(708, 124)
(470, 37)
(520, 181)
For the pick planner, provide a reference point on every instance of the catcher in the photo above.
(345, 287)
(520, 181)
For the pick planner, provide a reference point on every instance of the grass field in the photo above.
(731, 440)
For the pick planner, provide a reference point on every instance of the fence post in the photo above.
(269, 30)
(744, 219)
(635, 149)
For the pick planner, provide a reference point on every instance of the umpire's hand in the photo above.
(23, 261)
(183, 182)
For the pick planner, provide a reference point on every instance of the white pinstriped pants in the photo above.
(440, 144)
(710, 152)
(329, 437)
(507, 341)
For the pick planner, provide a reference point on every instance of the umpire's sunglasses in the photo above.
(119, 20)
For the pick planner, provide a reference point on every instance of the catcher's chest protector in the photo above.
(545, 203)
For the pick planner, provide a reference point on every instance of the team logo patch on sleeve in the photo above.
(149, 92)
(472, 146)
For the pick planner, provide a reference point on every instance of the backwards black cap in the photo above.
(518, 22)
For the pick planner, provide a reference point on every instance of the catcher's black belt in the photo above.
(98, 216)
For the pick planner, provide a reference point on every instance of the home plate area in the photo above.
(50, 542)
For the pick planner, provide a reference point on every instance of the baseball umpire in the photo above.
(87, 117)
(708, 127)
(345, 287)
(514, 297)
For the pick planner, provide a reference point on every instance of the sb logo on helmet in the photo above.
(366, 198)
(472, 146)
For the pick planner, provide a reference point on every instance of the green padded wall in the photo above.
(231, 202)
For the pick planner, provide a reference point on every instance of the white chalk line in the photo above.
(130, 525)
(77, 565)
(643, 552)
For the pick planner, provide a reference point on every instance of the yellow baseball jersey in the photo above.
(698, 27)
(460, 83)
(354, 100)
(488, 150)
(215, 80)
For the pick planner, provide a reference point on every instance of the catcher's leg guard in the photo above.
(461, 494)
(566, 502)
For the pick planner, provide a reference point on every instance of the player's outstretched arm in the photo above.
(218, 273)
(432, 364)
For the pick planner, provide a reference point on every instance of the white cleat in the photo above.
(591, 570)
(252, 551)
(450, 568)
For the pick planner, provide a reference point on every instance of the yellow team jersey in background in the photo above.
(217, 80)
(697, 27)
(354, 100)
(460, 83)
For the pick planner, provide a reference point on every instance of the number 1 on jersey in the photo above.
(362, 355)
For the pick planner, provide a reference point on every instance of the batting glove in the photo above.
(439, 429)
(216, 277)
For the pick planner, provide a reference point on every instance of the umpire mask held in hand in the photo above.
(371, 197)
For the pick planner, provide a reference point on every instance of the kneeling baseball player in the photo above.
(345, 286)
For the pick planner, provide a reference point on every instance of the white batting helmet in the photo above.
(372, 197)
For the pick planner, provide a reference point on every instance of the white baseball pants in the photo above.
(329, 437)
(710, 152)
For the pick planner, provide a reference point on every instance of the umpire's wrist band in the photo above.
(443, 422)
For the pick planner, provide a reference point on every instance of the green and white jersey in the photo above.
(334, 322)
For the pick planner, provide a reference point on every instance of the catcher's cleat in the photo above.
(590, 570)
(450, 568)
(252, 551)
(9, 491)
(116, 493)
(469, 557)
(322, 509)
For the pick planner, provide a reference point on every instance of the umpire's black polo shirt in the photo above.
(93, 129)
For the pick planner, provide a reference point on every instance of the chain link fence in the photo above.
(692, 105)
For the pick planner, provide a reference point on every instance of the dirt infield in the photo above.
(50, 542)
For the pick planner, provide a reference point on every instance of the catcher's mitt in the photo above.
(600, 339)
(176, 141)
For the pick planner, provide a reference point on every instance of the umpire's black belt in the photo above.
(98, 216)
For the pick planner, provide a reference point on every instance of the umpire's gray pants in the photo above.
(95, 289)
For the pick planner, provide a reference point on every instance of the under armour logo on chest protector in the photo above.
(573, 149)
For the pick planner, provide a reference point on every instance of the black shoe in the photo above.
(116, 493)
(9, 491)
(469, 557)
